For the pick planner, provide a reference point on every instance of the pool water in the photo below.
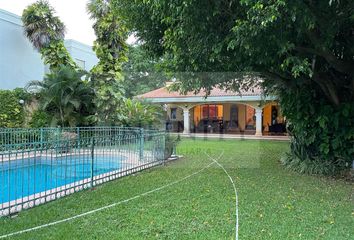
(21, 178)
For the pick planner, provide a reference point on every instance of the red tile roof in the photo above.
(215, 92)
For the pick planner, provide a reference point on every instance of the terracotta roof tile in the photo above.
(215, 92)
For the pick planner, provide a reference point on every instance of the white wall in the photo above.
(81, 52)
(20, 62)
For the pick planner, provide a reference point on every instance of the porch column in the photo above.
(186, 128)
(258, 122)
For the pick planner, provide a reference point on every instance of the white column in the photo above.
(186, 121)
(259, 122)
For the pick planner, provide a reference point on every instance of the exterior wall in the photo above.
(81, 53)
(20, 62)
(175, 124)
(179, 115)
(242, 116)
(267, 116)
(227, 107)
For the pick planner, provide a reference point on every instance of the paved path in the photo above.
(233, 136)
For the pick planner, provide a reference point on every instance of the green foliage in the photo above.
(110, 48)
(133, 113)
(46, 33)
(141, 73)
(65, 97)
(292, 45)
(202, 206)
(11, 111)
(322, 135)
(39, 119)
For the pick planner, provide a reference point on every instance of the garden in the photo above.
(216, 189)
(273, 203)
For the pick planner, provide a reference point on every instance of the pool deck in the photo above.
(233, 136)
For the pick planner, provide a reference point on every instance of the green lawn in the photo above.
(273, 203)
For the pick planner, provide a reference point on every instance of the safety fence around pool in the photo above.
(41, 165)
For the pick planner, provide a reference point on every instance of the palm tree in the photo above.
(65, 96)
(46, 33)
(41, 26)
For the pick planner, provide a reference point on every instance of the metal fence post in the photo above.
(163, 148)
(92, 160)
(141, 145)
(78, 137)
(41, 137)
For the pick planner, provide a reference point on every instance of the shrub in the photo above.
(39, 119)
(322, 135)
(134, 113)
(65, 97)
(11, 111)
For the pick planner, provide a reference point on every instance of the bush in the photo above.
(134, 113)
(39, 119)
(11, 111)
(65, 97)
(322, 135)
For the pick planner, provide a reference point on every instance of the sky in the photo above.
(71, 12)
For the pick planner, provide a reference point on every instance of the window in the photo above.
(80, 63)
(173, 113)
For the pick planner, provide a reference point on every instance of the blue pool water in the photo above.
(21, 178)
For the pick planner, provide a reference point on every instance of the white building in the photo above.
(21, 63)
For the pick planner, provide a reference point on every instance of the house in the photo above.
(21, 63)
(222, 111)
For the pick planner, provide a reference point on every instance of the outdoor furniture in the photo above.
(277, 128)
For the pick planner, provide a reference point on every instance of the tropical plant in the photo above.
(11, 110)
(295, 46)
(39, 119)
(65, 96)
(46, 33)
(134, 113)
(110, 48)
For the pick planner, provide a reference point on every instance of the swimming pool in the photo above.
(28, 176)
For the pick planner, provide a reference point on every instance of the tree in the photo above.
(302, 49)
(110, 48)
(141, 72)
(46, 33)
(66, 97)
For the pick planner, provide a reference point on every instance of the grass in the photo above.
(273, 203)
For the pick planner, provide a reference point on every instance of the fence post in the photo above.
(41, 137)
(92, 160)
(58, 137)
(78, 137)
(163, 147)
(141, 145)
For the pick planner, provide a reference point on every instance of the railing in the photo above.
(41, 165)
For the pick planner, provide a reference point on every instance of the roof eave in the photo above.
(209, 99)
